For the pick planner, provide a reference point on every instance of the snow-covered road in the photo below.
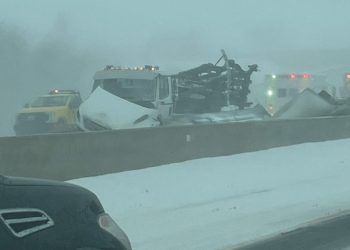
(216, 203)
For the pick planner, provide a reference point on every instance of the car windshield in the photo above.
(195, 125)
(49, 101)
(131, 89)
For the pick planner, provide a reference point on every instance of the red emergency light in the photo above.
(293, 76)
(306, 76)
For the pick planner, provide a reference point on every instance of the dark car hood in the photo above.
(74, 211)
(21, 181)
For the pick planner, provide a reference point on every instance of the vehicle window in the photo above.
(75, 102)
(198, 125)
(131, 89)
(293, 92)
(49, 101)
(163, 88)
(96, 84)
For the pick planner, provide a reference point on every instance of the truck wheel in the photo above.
(160, 119)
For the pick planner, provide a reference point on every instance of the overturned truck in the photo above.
(142, 97)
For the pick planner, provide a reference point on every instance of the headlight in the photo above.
(108, 224)
(269, 92)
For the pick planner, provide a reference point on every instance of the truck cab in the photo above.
(127, 98)
(51, 113)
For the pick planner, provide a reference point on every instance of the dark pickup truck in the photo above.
(42, 215)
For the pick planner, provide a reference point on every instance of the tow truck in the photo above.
(127, 97)
(143, 97)
(51, 113)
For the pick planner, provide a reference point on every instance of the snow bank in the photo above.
(215, 203)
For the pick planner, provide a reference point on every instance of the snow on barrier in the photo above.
(69, 156)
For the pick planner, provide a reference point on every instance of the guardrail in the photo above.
(68, 156)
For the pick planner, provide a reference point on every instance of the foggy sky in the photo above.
(46, 44)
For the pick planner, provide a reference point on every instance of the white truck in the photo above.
(142, 97)
(125, 97)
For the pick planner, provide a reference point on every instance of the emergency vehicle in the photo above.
(51, 113)
(345, 89)
(282, 88)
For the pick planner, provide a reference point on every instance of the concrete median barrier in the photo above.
(68, 156)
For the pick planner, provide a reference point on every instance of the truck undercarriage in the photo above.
(209, 87)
